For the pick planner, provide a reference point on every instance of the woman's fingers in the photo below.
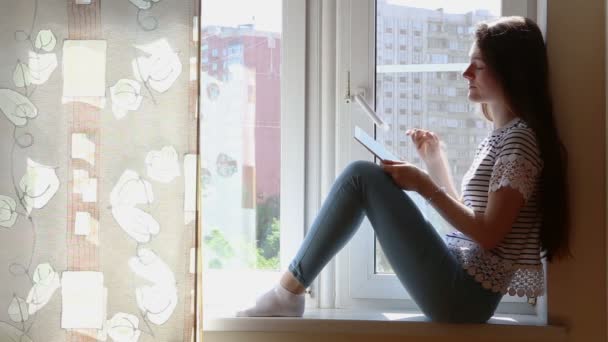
(417, 136)
(421, 136)
(392, 162)
(389, 168)
(412, 131)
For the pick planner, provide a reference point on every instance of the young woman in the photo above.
(513, 210)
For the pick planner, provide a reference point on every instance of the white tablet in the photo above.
(373, 146)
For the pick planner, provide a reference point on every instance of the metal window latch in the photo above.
(359, 98)
(351, 96)
(348, 96)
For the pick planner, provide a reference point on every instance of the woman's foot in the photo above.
(276, 302)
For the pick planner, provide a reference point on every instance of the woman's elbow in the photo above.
(491, 234)
(488, 244)
(491, 241)
(488, 241)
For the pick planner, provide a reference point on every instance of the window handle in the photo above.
(360, 100)
(370, 112)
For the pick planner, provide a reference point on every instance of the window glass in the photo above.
(240, 133)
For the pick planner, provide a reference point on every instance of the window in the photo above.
(437, 101)
(352, 286)
(436, 58)
(435, 43)
(253, 217)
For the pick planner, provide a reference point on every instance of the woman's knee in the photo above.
(362, 167)
(368, 175)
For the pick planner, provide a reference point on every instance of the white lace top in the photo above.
(508, 157)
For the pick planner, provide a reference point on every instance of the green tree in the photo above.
(268, 234)
(266, 212)
(217, 249)
(263, 256)
(268, 252)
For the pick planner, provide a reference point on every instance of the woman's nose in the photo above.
(467, 73)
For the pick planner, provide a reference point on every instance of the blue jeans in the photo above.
(435, 280)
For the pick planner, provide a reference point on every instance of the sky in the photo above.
(267, 13)
(452, 6)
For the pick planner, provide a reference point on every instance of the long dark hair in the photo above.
(513, 47)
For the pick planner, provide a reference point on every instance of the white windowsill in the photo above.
(386, 321)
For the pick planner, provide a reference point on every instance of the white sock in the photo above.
(278, 301)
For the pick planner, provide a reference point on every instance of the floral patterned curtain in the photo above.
(98, 146)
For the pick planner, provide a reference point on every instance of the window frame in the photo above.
(356, 286)
(293, 134)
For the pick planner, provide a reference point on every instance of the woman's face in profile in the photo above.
(483, 86)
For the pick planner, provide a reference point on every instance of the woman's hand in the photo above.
(427, 144)
(407, 176)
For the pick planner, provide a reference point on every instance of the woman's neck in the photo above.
(500, 114)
